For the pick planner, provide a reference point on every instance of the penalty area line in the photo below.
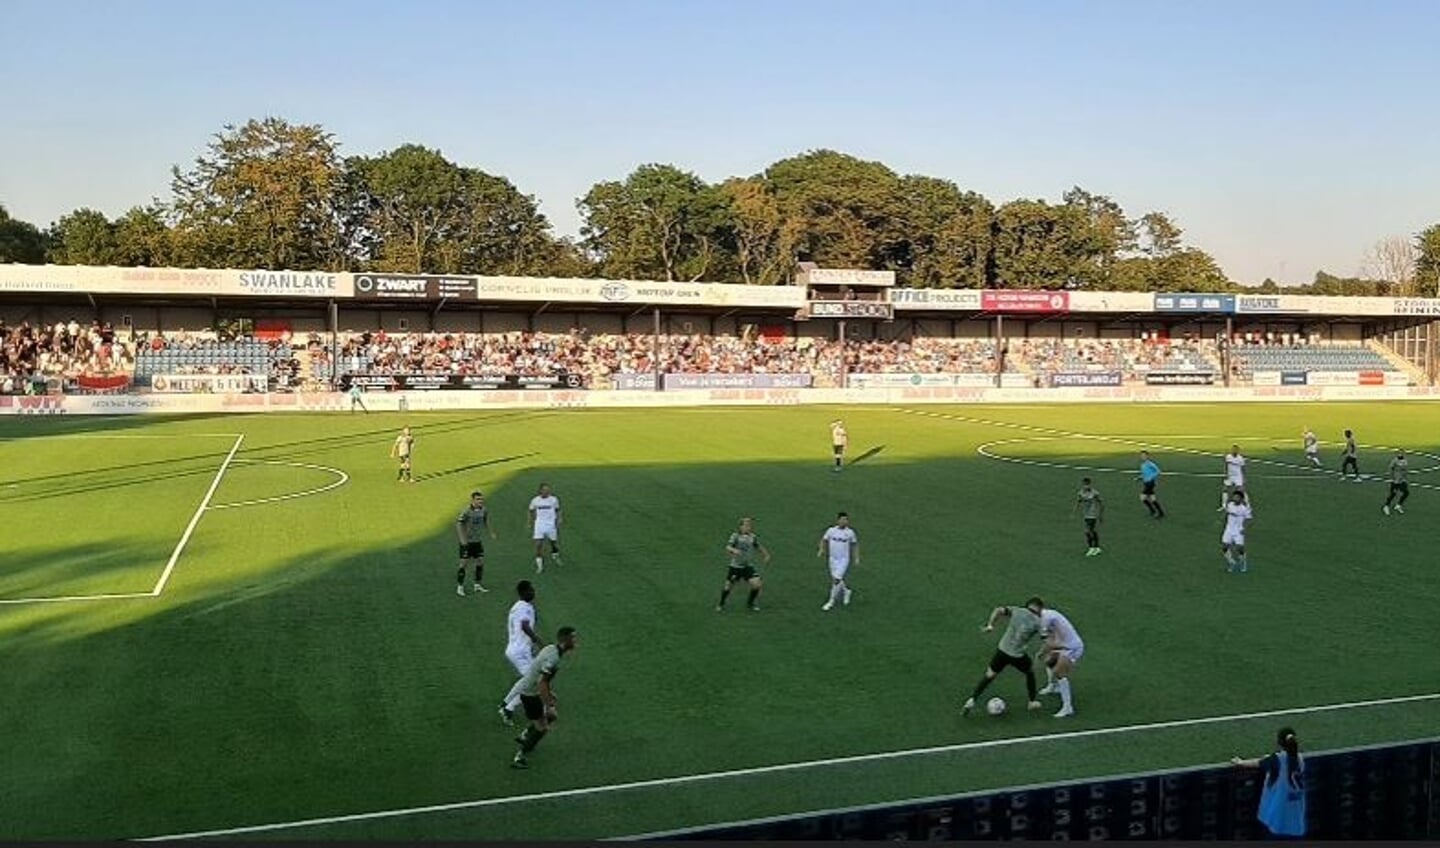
(195, 519)
(706, 777)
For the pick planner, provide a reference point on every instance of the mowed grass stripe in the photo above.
(312, 657)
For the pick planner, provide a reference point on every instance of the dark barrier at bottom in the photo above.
(1375, 793)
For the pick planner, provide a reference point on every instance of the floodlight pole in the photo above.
(655, 353)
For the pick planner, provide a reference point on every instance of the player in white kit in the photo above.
(1063, 650)
(1234, 475)
(1232, 542)
(545, 519)
(1312, 447)
(842, 547)
(521, 644)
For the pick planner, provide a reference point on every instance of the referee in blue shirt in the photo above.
(1149, 476)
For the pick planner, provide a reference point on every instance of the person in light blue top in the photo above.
(356, 398)
(1149, 476)
(1282, 797)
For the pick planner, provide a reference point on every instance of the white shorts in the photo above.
(545, 533)
(1073, 655)
(520, 657)
(1233, 537)
(1313, 450)
(838, 570)
(1235, 481)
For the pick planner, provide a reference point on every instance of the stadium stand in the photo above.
(1250, 356)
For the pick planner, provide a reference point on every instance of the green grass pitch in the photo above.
(308, 657)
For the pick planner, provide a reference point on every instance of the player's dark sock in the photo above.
(981, 686)
(1404, 496)
(724, 595)
(754, 595)
(479, 571)
(533, 735)
(1149, 507)
(1030, 686)
(1159, 510)
(460, 576)
(1094, 540)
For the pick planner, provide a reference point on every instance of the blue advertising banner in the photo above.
(1293, 378)
(1223, 303)
(646, 382)
(1086, 378)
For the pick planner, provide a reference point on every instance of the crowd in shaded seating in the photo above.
(61, 351)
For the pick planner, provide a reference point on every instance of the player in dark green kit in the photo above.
(1399, 484)
(1091, 508)
(474, 521)
(745, 550)
(1022, 628)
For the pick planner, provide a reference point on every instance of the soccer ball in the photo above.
(995, 706)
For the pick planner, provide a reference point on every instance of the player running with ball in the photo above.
(1022, 628)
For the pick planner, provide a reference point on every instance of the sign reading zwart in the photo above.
(413, 287)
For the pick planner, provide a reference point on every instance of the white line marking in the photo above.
(987, 450)
(341, 479)
(788, 767)
(926, 800)
(1071, 434)
(195, 519)
(115, 436)
(67, 598)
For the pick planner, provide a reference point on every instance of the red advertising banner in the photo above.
(1372, 378)
(1023, 300)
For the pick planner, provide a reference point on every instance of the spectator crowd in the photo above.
(34, 357)
(59, 354)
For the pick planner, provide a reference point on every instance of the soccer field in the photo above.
(245, 625)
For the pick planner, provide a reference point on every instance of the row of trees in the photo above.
(273, 194)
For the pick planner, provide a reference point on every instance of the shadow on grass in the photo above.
(867, 454)
(289, 449)
(460, 469)
(296, 670)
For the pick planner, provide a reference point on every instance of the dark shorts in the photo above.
(472, 550)
(1400, 488)
(1147, 488)
(1090, 524)
(533, 706)
(1022, 663)
(839, 449)
(741, 572)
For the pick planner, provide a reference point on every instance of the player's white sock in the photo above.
(1049, 676)
(836, 590)
(1064, 686)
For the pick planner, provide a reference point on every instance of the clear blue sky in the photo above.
(1283, 136)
